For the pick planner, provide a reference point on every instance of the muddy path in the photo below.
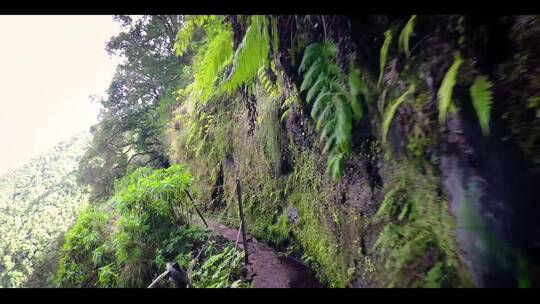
(268, 268)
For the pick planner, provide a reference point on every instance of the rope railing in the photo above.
(223, 185)
(180, 277)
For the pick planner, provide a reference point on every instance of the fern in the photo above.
(391, 109)
(447, 85)
(481, 98)
(384, 54)
(357, 87)
(416, 222)
(285, 115)
(218, 54)
(251, 55)
(191, 23)
(405, 36)
(333, 106)
(269, 87)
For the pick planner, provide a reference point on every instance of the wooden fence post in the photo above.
(242, 221)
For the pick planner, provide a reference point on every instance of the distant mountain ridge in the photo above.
(38, 202)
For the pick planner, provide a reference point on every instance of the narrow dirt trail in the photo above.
(268, 268)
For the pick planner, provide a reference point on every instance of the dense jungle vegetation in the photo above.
(381, 151)
(38, 202)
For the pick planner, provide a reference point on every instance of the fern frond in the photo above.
(391, 109)
(269, 87)
(252, 53)
(356, 86)
(327, 131)
(336, 86)
(216, 57)
(447, 85)
(384, 54)
(329, 49)
(405, 36)
(285, 115)
(312, 73)
(322, 100)
(335, 165)
(331, 108)
(184, 36)
(343, 123)
(333, 70)
(312, 53)
(482, 99)
(323, 118)
(316, 87)
(330, 141)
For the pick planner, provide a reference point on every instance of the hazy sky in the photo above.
(49, 66)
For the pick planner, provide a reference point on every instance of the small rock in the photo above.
(292, 214)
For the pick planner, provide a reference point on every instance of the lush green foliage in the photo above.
(192, 24)
(481, 97)
(85, 256)
(384, 55)
(418, 224)
(210, 64)
(405, 36)
(218, 54)
(222, 95)
(138, 101)
(251, 55)
(38, 202)
(357, 87)
(447, 86)
(332, 107)
(220, 268)
(391, 109)
(127, 243)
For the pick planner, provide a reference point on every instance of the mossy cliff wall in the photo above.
(439, 203)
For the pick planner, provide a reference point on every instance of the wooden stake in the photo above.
(242, 225)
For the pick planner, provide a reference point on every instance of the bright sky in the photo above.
(49, 67)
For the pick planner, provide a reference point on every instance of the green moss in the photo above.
(321, 249)
(280, 231)
(417, 240)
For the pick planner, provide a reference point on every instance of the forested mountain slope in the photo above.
(38, 202)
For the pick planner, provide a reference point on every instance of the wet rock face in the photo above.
(492, 198)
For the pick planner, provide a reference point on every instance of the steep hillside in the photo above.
(382, 151)
(38, 202)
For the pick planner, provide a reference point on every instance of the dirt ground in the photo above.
(268, 268)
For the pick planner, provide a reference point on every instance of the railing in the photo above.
(181, 277)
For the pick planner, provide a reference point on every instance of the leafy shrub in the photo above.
(220, 269)
(418, 225)
(83, 252)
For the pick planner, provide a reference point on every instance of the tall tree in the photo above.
(141, 93)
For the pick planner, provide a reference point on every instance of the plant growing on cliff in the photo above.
(251, 55)
(218, 68)
(391, 109)
(384, 55)
(418, 224)
(405, 36)
(333, 106)
(447, 86)
(481, 97)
